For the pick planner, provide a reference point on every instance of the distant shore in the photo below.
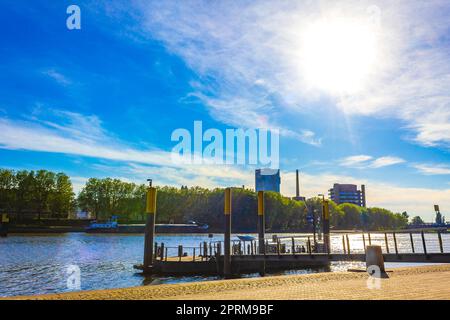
(428, 282)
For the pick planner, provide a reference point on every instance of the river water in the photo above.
(38, 264)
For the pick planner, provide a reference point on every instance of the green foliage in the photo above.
(36, 192)
(45, 191)
(417, 220)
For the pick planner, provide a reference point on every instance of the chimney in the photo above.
(297, 185)
(363, 195)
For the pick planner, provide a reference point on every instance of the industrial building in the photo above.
(348, 193)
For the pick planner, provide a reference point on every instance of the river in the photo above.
(39, 264)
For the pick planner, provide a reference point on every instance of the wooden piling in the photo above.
(193, 255)
(309, 246)
(261, 222)
(386, 242)
(412, 242)
(343, 244)
(395, 243)
(180, 252)
(364, 242)
(348, 244)
(149, 226)
(162, 252)
(440, 242)
(293, 245)
(370, 238)
(227, 236)
(166, 254)
(326, 225)
(423, 242)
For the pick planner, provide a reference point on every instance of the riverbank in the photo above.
(429, 282)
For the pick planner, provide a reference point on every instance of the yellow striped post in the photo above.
(150, 226)
(261, 230)
(326, 226)
(227, 235)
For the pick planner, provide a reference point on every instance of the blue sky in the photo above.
(104, 100)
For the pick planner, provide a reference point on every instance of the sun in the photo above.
(338, 55)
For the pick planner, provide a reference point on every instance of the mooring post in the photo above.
(309, 246)
(412, 242)
(326, 225)
(193, 255)
(386, 241)
(205, 249)
(149, 226)
(423, 243)
(343, 244)
(293, 245)
(261, 232)
(395, 243)
(180, 252)
(261, 223)
(155, 253)
(278, 246)
(162, 251)
(364, 242)
(374, 257)
(440, 242)
(227, 236)
(348, 244)
(370, 238)
(166, 254)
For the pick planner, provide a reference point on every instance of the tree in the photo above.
(417, 221)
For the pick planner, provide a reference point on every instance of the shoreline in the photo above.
(425, 282)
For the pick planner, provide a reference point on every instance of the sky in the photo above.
(359, 91)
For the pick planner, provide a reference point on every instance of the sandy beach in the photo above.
(429, 282)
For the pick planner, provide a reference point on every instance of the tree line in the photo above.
(38, 193)
(52, 193)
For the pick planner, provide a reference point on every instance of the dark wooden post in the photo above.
(343, 244)
(395, 243)
(166, 254)
(386, 241)
(261, 232)
(326, 225)
(423, 243)
(370, 238)
(162, 251)
(309, 246)
(180, 252)
(293, 245)
(348, 244)
(149, 227)
(364, 242)
(261, 222)
(193, 256)
(440, 242)
(412, 242)
(227, 236)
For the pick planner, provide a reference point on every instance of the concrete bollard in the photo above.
(374, 257)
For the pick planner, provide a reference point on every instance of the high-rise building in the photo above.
(348, 193)
(267, 180)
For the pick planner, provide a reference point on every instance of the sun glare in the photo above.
(338, 56)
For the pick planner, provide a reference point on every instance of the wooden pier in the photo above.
(278, 253)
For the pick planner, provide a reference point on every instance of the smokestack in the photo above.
(363, 195)
(297, 189)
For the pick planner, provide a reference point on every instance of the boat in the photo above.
(112, 226)
(246, 238)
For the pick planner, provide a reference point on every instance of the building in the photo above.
(298, 197)
(348, 193)
(267, 180)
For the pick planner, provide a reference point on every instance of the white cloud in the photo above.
(355, 161)
(433, 169)
(58, 77)
(249, 58)
(386, 161)
(365, 161)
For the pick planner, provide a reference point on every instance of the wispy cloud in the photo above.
(433, 169)
(57, 76)
(386, 161)
(248, 57)
(365, 161)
